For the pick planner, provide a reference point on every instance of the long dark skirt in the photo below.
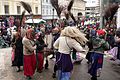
(64, 62)
(29, 65)
(64, 66)
(96, 65)
(18, 58)
(88, 56)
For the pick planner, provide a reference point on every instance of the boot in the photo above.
(18, 69)
(54, 75)
(93, 78)
(46, 64)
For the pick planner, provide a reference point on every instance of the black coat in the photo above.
(18, 60)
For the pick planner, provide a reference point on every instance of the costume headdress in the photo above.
(74, 33)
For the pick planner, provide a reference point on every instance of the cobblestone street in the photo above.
(111, 71)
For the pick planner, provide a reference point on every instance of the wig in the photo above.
(74, 33)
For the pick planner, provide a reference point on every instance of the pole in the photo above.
(53, 19)
(101, 14)
(41, 8)
(53, 13)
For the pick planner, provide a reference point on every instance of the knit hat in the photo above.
(101, 32)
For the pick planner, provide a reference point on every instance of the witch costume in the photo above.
(39, 52)
(18, 51)
(63, 58)
(96, 59)
(29, 56)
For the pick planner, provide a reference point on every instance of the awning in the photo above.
(35, 21)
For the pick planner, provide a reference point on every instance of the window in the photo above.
(47, 7)
(43, 11)
(43, 6)
(87, 13)
(50, 12)
(6, 8)
(88, 8)
(93, 9)
(93, 1)
(47, 11)
(36, 10)
(18, 10)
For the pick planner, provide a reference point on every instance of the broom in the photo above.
(110, 12)
(60, 9)
(57, 7)
(28, 8)
(22, 16)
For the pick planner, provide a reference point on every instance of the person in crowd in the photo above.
(110, 38)
(91, 33)
(56, 34)
(99, 46)
(117, 40)
(70, 37)
(40, 52)
(18, 51)
(28, 51)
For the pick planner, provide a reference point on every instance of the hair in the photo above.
(74, 33)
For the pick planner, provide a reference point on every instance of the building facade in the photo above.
(48, 12)
(13, 7)
(92, 7)
(78, 6)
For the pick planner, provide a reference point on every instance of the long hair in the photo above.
(74, 33)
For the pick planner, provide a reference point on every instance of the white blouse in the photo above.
(65, 44)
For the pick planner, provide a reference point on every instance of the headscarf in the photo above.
(56, 30)
(30, 34)
(74, 33)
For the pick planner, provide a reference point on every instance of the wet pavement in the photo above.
(111, 71)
